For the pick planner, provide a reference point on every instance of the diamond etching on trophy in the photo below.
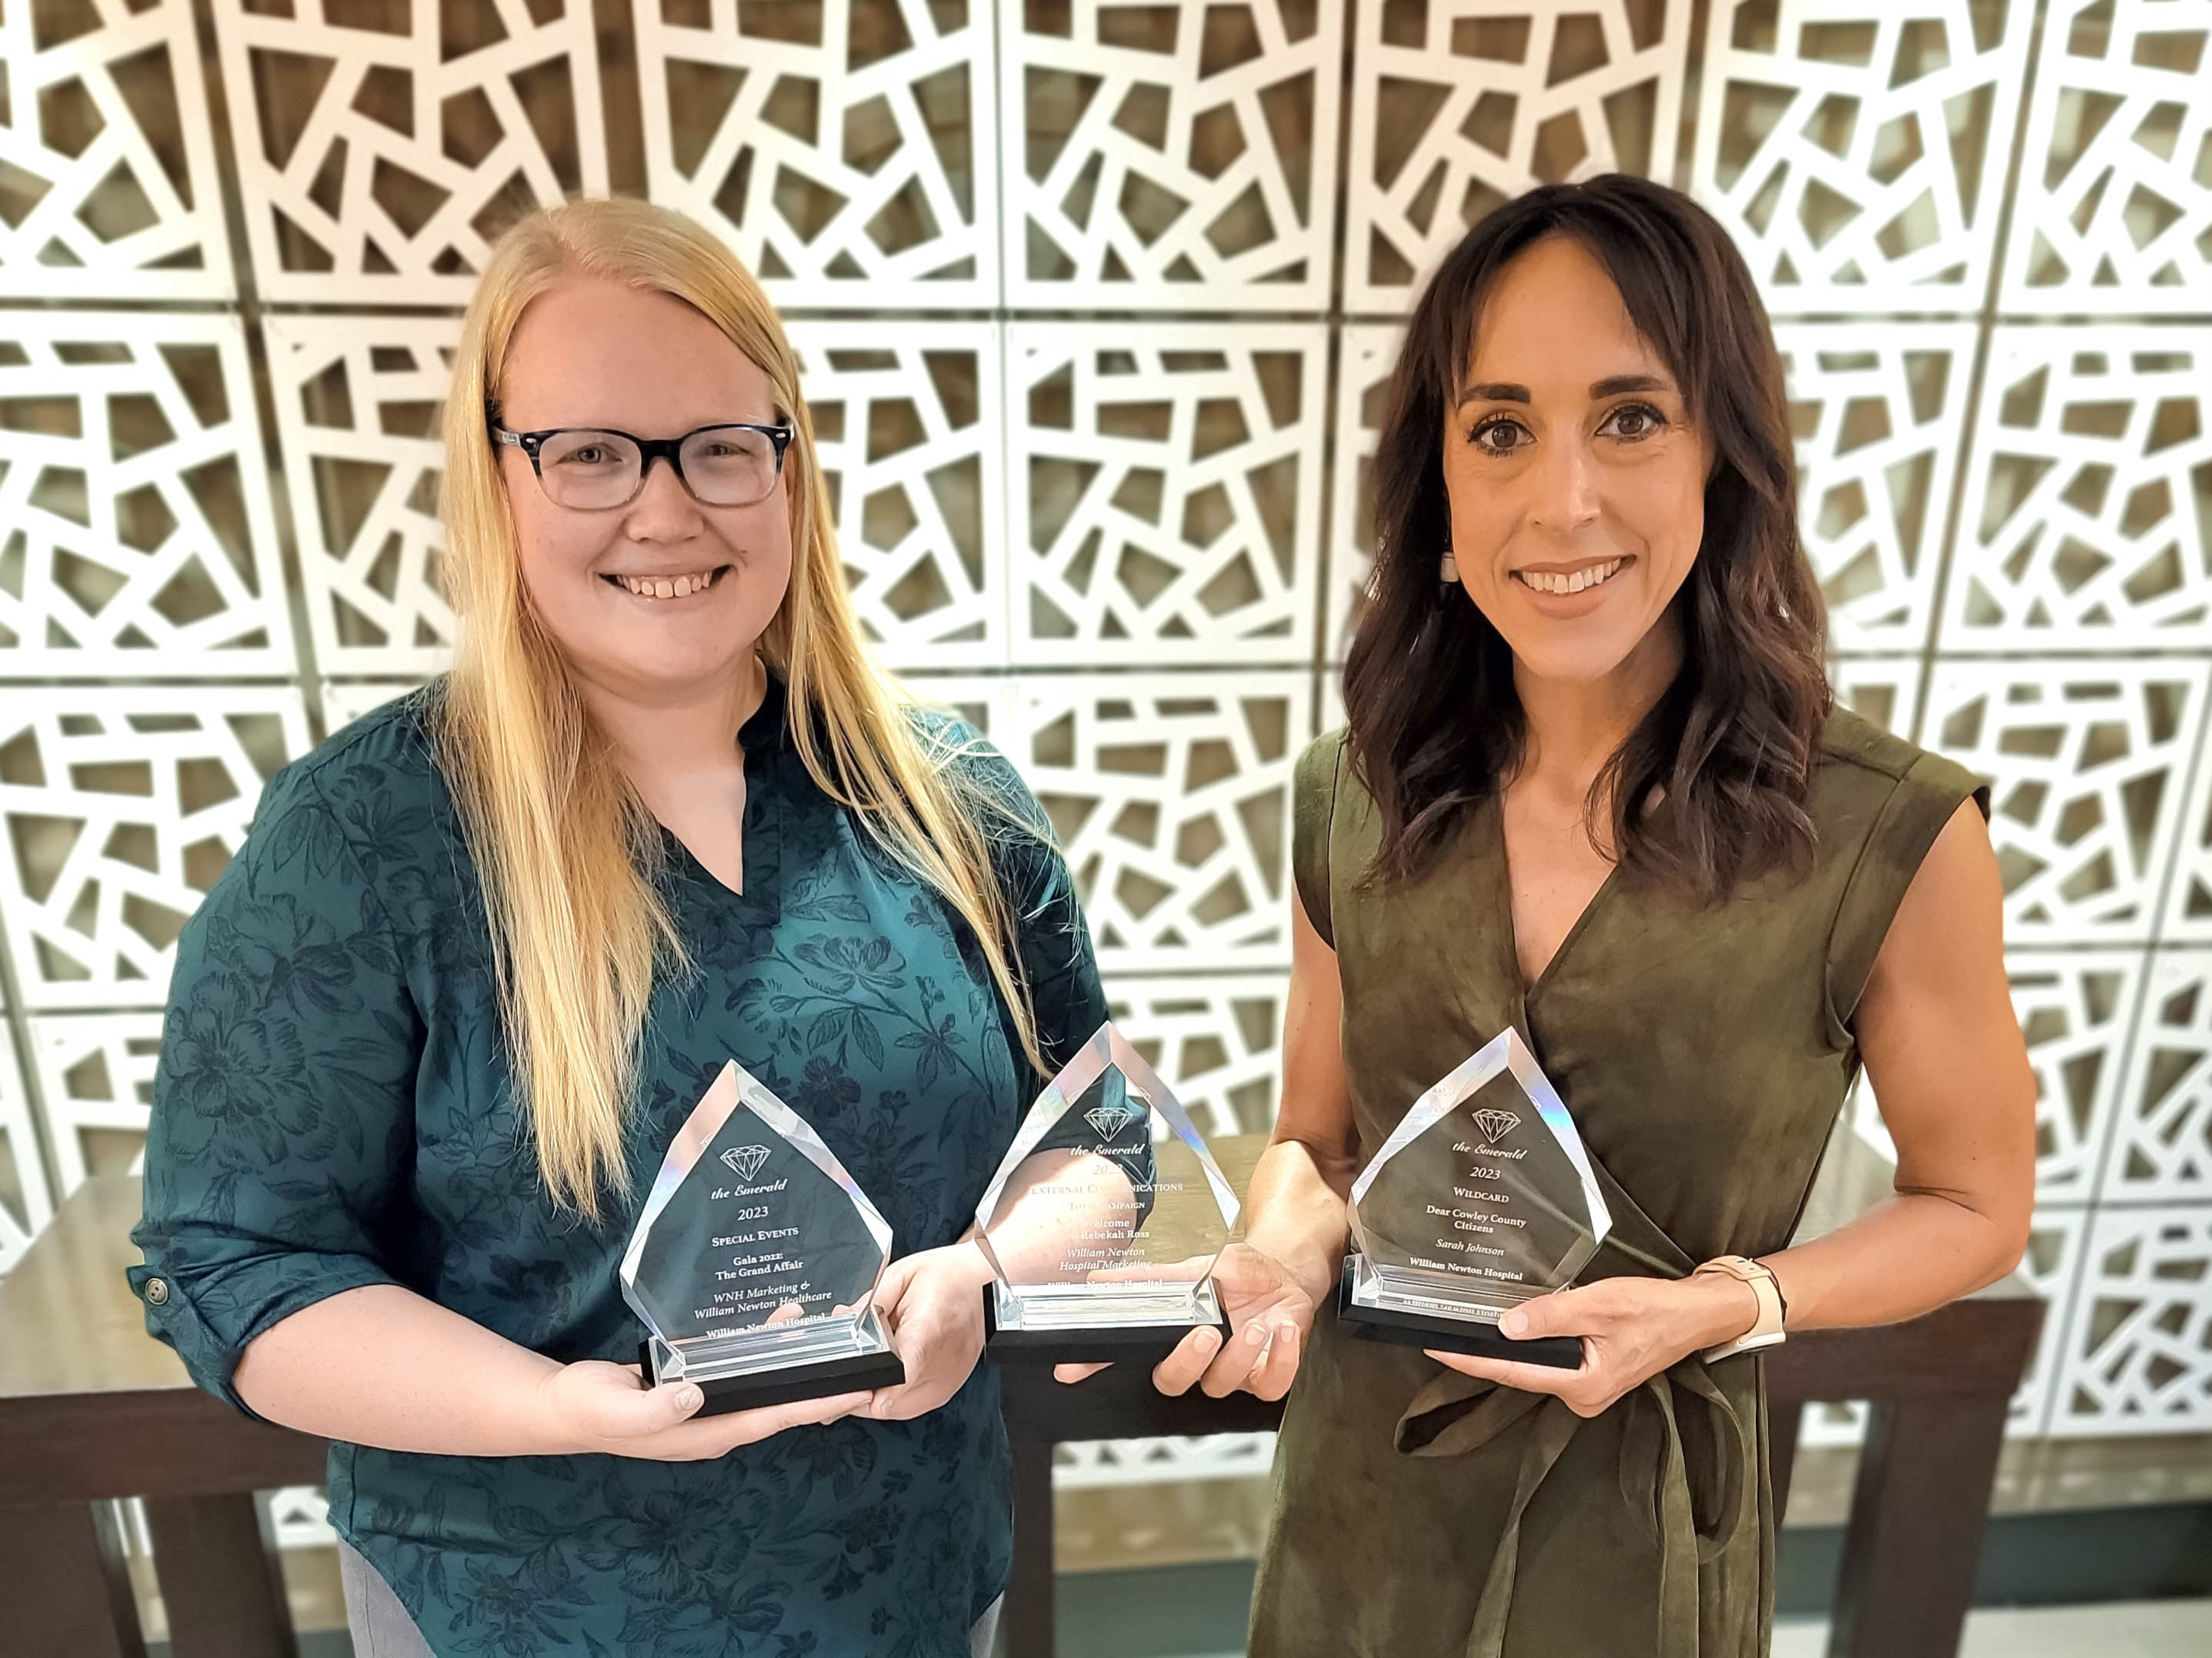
(745, 1161)
(761, 1292)
(1103, 1221)
(1496, 1125)
(1106, 1119)
(1482, 1198)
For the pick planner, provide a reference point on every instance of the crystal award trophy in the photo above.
(1482, 1198)
(753, 1266)
(1103, 1221)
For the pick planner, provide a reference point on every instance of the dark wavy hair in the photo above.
(1435, 724)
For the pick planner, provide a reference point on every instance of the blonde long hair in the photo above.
(564, 847)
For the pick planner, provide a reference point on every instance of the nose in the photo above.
(1567, 487)
(663, 509)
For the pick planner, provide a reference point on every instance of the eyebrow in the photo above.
(1506, 391)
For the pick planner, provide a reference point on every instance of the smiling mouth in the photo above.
(1576, 581)
(667, 586)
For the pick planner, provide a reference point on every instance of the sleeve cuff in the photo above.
(210, 1317)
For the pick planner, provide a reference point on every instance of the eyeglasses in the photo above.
(591, 469)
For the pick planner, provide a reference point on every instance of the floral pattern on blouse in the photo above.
(333, 1109)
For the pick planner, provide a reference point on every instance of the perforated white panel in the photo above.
(1172, 156)
(1172, 796)
(2088, 761)
(908, 422)
(1459, 105)
(2188, 895)
(136, 534)
(383, 145)
(2161, 1149)
(1884, 689)
(25, 1204)
(1217, 1041)
(346, 701)
(1856, 150)
(95, 1073)
(2057, 1240)
(1366, 356)
(2138, 1349)
(849, 153)
(122, 808)
(1166, 485)
(358, 402)
(1879, 418)
(2075, 1011)
(2114, 213)
(2085, 524)
(108, 176)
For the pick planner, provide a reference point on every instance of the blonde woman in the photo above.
(433, 1030)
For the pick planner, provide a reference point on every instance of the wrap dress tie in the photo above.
(1703, 1053)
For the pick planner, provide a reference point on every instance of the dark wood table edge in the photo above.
(199, 1466)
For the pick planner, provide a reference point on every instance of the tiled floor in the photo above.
(2141, 1628)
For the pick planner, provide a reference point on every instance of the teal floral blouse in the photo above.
(333, 1109)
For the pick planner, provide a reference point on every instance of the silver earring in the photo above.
(1448, 569)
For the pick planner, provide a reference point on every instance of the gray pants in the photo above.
(382, 1629)
(380, 1625)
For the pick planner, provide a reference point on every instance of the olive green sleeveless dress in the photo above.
(1703, 1053)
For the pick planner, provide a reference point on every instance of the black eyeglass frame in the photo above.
(649, 451)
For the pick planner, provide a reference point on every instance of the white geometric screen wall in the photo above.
(108, 181)
(848, 152)
(1857, 150)
(1096, 306)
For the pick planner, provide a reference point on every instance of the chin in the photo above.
(1572, 661)
(666, 664)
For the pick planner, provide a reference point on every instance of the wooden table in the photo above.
(91, 1407)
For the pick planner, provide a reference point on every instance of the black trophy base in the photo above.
(1451, 1335)
(791, 1383)
(1100, 1344)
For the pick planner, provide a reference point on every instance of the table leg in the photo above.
(1914, 1541)
(221, 1582)
(64, 1584)
(1029, 1616)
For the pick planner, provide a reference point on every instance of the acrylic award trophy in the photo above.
(755, 1262)
(1103, 1221)
(1482, 1198)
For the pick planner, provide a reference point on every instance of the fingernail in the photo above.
(1514, 1323)
(1209, 1342)
(689, 1398)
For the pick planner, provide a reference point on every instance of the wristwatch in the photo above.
(1767, 1332)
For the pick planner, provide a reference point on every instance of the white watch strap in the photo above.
(1766, 1331)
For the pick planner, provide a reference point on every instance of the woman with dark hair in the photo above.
(1592, 789)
